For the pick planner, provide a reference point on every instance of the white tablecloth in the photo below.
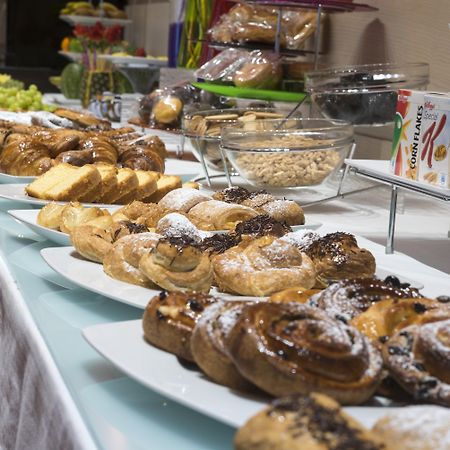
(36, 410)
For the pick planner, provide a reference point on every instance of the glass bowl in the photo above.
(287, 154)
(203, 128)
(364, 94)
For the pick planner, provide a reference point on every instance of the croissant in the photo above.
(142, 158)
(177, 266)
(289, 348)
(262, 266)
(83, 120)
(22, 156)
(103, 150)
(417, 358)
(59, 140)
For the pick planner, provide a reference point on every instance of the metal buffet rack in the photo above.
(321, 6)
(396, 183)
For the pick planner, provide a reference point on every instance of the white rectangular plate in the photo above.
(122, 343)
(90, 275)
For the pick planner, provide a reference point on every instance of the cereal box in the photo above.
(434, 165)
(407, 129)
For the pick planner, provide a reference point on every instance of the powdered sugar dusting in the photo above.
(176, 225)
(183, 199)
(418, 427)
(301, 239)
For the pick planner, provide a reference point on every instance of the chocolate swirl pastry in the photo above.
(178, 265)
(169, 319)
(262, 225)
(388, 316)
(337, 256)
(314, 422)
(208, 343)
(292, 348)
(418, 358)
(346, 299)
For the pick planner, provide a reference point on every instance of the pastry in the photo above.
(95, 239)
(182, 199)
(122, 260)
(417, 357)
(300, 422)
(217, 215)
(169, 319)
(292, 348)
(147, 214)
(259, 267)
(178, 225)
(178, 265)
(75, 214)
(337, 256)
(347, 299)
(261, 201)
(415, 428)
(294, 294)
(208, 343)
(388, 316)
(261, 225)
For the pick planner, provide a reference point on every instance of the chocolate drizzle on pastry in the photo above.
(233, 194)
(262, 225)
(219, 243)
(181, 241)
(325, 424)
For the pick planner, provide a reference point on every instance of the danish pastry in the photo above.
(262, 266)
(347, 299)
(183, 199)
(221, 215)
(388, 316)
(297, 422)
(417, 357)
(208, 343)
(122, 260)
(337, 256)
(177, 265)
(292, 348)
(169, 319)
(414, 428)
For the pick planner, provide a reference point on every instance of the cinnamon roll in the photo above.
(336, 256)
(388, 316)
(297, 422)
(208, 343)
(169, 319)
(292, 348)
(418, 358)
(262, 266)
(177, 264)
(347, 299)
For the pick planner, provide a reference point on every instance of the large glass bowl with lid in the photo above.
(287, 153)
(364, 94)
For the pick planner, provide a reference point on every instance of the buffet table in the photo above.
(58, 393)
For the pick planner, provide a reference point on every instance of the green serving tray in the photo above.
(260, 94)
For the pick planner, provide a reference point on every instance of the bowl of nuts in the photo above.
(203, 129)
(364, 94)
(287, 153)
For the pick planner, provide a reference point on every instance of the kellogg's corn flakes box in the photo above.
(407, 131)
(435, 141)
